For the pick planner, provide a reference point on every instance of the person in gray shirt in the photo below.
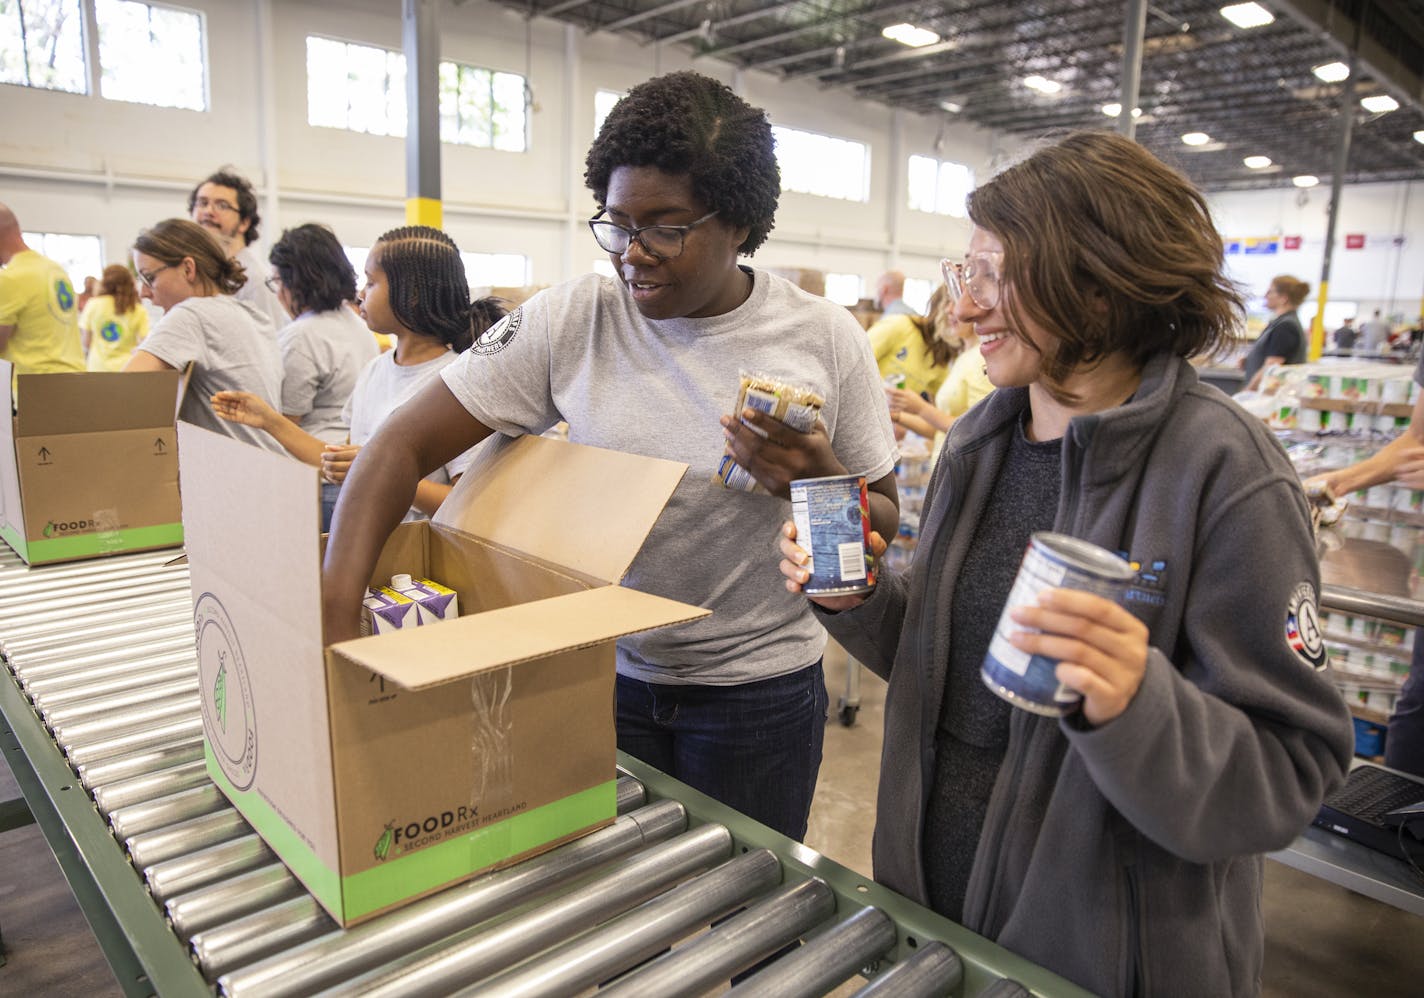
(230, 345)
(225, 204)
(648, 362)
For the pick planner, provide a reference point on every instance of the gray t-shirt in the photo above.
(322, 354)
(384, 386)
(582, 352)
(255, 292)
(231, 347)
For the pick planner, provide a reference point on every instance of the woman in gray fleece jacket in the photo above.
(1120, 846)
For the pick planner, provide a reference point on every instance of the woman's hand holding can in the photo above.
(793, 561)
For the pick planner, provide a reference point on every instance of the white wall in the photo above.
(81, 164)
(1387, 273)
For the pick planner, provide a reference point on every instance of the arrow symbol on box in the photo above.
(44, 453)
(159, 445)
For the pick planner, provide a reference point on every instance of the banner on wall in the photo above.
(1263, 246)
(1354, 240)
(1291, 242)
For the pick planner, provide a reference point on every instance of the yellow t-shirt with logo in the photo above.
(38, 300)
(112, 338)
(901, 353)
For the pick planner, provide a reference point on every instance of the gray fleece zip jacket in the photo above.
(1128, 858)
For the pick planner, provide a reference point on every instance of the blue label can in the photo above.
(832, 517)
(1051, 561)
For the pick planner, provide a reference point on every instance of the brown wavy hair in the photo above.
(118, 283)
(941, 350)
(173, 239)
(1291, 288)
(1111, 251)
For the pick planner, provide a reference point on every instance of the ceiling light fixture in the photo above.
(950, 106)
(908, 34)
(1247, 15)
(1305, 180)
(1114, 109)
(1419, 135)
(1042, 85)
(1257, 162)
(1196, 138)
(1380, 104)
(1332, 72)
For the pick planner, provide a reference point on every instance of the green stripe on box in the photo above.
(12, 537)
(428, 868)
(316, 876)
(105, 542)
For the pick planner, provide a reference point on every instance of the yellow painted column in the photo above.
(1317, 325)
(424, 211)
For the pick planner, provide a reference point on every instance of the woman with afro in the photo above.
(685, 179)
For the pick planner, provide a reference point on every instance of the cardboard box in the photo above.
(88, 464)
(384, 768)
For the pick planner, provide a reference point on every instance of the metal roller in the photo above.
(1004, 987)
(628, 940)
(231, 899)
(824, 961)
(198, 869)
(480, 951)
(344, 954)
(134, 741)
(54, 647)
(129, 719)
(38, 590)
(97, 597)
(103, 673)
(80, 665)
(111, 797)
(138, 763)
(205, 830)
(78, 571)
(236, 944)
(631, 794)
(79, 615)
(732, 946)
(68, 713)
(160, 812)
(22, 638)
(145, 677)
(934, 970)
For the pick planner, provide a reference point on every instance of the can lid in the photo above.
(1086, 555)
(401, 581)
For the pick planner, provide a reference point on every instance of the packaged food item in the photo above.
(832, 517)
(796, 406)
(433, 601)
(406, 602)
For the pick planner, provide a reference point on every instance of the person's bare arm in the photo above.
(432, 429)
(1400, 455)
(1261, 372)
(142, 360)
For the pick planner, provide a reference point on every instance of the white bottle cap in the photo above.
(400, 582)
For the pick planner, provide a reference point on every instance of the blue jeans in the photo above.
(1404, 742)
(329, 494)
(755, 747)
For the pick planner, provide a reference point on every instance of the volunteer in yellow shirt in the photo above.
(39, 329)
(909, 354)
(114, 321)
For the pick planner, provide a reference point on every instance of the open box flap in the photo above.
(420, 657)
(9, 473)
(55, 404)
(566, 504)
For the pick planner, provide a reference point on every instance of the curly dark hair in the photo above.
(687, 123)
(246, 198)
(429, 293)
(313, 268)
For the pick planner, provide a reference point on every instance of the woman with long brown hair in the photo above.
(113, 322)
(909, 353)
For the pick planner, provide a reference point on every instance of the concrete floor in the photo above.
(1322, 940)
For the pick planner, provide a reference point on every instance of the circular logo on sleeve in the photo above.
(1303, 632)
(229, 719)
(497, 337)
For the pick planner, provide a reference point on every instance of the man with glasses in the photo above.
(686, 178)
(39, 315)
(226, 206)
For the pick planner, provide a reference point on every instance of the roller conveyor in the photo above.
(101, 726)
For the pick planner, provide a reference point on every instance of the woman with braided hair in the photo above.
(416, 292)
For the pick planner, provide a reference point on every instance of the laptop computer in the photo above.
(1380, 808)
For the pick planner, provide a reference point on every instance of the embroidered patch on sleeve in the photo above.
(497, 337)
(1303, 627)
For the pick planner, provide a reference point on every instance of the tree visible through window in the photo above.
(42, 44)
(150, 54)
(939, 187)
(822, 165)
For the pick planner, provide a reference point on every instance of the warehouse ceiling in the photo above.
(1251, 91)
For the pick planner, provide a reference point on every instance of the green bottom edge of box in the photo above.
(395, 880)
(92, 545)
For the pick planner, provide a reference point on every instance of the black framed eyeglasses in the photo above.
(977, 277)
(662, 241)
(152, 275)
(274, 284)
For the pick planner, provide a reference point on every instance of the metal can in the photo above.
(832, 517)
(1051, 561)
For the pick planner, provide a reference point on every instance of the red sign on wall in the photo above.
(1355, 240)
(1290, 242)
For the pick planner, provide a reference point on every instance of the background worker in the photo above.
(39, 316)
(226, 206)
(114, 321)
